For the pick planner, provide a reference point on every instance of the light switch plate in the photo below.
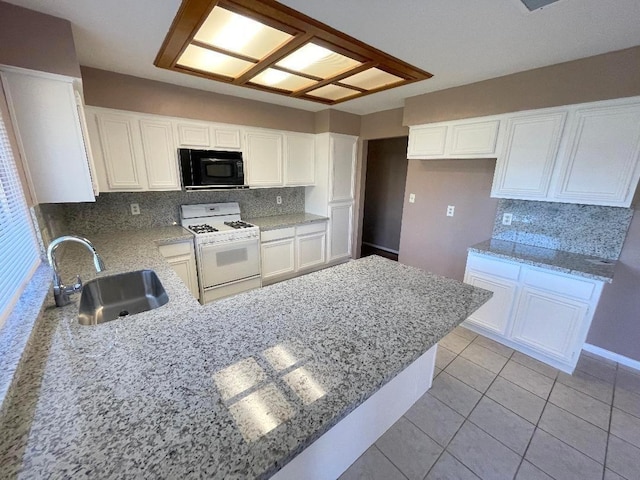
(450, 210)
(506, 218)
(412, 198)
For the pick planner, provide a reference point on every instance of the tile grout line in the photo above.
(536, 427)
(391, 461)
(466, 418)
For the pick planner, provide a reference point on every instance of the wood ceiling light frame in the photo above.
(303, 29)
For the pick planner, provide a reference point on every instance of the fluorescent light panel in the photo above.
(209, 61)
(317, 61)
(333, 92)
(371, 79)
(275, 78)
(239, 34)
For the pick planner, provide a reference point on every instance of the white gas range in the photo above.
(227, 249)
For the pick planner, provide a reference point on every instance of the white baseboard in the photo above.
(616, 357)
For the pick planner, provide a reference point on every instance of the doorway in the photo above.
(386, 175)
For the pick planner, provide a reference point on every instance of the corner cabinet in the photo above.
(299, 159)
(133, 152)
(181, 257)
(540, 312)
(46, 112)
(459, 139)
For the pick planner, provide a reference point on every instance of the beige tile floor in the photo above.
(494, 414)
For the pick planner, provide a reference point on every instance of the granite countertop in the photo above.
(573, 263)
(232, 389)
(281, 221)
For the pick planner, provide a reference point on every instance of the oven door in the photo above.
(228, 261)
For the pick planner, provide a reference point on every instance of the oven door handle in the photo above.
(235, 243)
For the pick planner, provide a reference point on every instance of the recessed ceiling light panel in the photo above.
(372, 79)
(282, 80)
(209, 61)
(239, 34)
(265, 45)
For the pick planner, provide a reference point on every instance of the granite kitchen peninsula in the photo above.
(234, 389)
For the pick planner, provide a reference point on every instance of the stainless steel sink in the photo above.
(114, 296)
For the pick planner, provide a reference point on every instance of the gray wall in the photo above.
(602, 77)
(384, 192)
(616, 323)
(429, 239)
(36, 41)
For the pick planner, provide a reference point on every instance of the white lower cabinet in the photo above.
(291, 250)
(278, 252)
(542, 313)
(181, 257)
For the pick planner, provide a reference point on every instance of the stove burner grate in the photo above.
(238, 224)
(204, 228)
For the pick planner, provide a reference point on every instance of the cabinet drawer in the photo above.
(175, 249)
(571, 287)
(493, 267)
(311, 228)
(277, 234)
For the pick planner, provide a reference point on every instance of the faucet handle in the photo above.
(78, 285)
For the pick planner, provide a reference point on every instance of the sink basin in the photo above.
(108, 298)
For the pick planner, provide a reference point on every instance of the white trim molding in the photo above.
(616, 357)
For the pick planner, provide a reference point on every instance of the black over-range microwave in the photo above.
(211, 169)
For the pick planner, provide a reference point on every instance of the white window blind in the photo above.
(19, 254)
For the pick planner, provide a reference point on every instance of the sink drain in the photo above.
(123, 313)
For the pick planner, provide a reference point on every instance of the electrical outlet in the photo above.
(279, 200)
(506, 218)
(135, 209)
(450, 210)
(412, 198)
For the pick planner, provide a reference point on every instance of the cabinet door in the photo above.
(194, 135)
(264, 159)
(310, 250)
(548, 323)
(278, 258)
(427, 141)
(493, 315)
(342, 168)
(226, 138)
(299, 159)
(474, 138)
(340, 230)
(119, 138)
(48, 130)
(603, 153)
(160, 155)
(181, 257)
(526, 164)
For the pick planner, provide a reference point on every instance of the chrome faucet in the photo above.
(62, 292)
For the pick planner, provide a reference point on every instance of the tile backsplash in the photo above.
(586, 229)
(112, 211)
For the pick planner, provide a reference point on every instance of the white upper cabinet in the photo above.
(593, 160)
(299, 159)
(205, 135)
(46, 118)
(457, 139)
(601, 164)
(342, 164)
(528, 156)
(263, 158)
(121, 148)
(160, 154)
(195, 135)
